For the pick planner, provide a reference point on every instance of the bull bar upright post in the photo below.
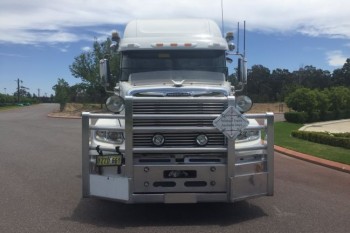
(85, 154)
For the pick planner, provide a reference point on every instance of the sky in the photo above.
(40, 38)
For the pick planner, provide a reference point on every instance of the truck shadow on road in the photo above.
(111, 214)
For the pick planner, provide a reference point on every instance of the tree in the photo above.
(61, 92)
(323, 102)
(339, 99)
(281, 82)
(258, 87)
(302, 100)
(341, 77)
(86, 67)
(311, 77)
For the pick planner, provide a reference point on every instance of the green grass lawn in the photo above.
(284, 139)
(3, 108)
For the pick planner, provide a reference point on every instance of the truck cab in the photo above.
(177, 132)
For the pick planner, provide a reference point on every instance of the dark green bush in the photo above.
(338, 140)
(342, 135)
(303, 117)
(296, 117)
(328, 116)
(320, 105)
(342, 114)
(313, 117)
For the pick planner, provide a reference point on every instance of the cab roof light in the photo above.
(115, 36)
(229, 36)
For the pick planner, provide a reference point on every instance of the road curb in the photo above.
(63, 117)
(312, 159)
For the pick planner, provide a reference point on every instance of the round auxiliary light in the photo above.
(115, 104)
(231, 46)
(244, 103)
(202, 140)
(158, 140)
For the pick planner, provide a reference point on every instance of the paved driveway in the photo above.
(341, 126)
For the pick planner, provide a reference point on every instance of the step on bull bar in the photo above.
(248, 171)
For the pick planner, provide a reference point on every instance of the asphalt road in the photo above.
(40, 190)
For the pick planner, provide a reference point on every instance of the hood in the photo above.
(177, 83)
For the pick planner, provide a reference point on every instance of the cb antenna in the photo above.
(238, 38)
(222, 18)
(244, 38)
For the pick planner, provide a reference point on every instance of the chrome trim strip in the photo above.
(170, 129)
(105, 116)
(177, 99)
(172, 116)
(111, 128)
(180, 150)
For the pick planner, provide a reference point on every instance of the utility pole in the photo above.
(38, 92)
(18, 88)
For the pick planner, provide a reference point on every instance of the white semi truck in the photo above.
(177, 132)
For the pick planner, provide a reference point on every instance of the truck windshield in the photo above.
(146, 61)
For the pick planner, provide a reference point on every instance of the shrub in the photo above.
(61, 93)
(313, 117)
(338, 140)
(339, 98)
(296, 117)
(302, 100)
(328, 116)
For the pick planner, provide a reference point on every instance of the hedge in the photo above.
(304, 117)
(296, 117)
(338, 139)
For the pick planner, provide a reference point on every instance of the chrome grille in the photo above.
(175, 111)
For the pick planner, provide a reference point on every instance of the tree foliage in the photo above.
(61, 92)
(308, 100)
(266, 86)
(302, 100)
(86, 68)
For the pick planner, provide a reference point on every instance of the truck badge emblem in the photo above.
(178, 83)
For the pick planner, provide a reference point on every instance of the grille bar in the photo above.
(178, 139)
(181, 107)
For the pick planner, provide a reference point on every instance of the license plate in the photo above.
(109, 160)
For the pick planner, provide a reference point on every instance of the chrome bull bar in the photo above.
(249, 171)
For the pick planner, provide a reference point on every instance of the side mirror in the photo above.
(104, 73)
(242, 70)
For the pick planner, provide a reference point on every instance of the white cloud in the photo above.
(86, 49)
(36, 21)
(336, 58)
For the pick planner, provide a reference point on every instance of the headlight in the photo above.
(249, 135)
(244, 103)
(109, 136)
(115, 104)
